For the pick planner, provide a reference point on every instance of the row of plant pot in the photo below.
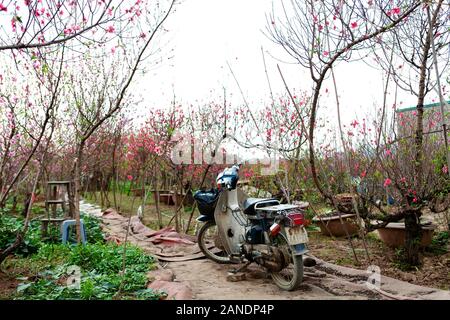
(393, 234)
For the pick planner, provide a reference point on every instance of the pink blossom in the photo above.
(248, 174)
(129, 177)
(387, 182)
(36, 64)
(3, 8)
(403, 180)
(396, 10)
(354, 25)
(13, 24)
(445, 169)
(354, 123)
(110, 29)
(325, 53)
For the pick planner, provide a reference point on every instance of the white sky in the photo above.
(205, 34)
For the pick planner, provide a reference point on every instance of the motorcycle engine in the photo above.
(255, 235)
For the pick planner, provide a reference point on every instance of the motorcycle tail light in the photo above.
(274, 229)
(297, 219)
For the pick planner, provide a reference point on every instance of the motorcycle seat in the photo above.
(249, 204)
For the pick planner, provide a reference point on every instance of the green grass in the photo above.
(100, 276)
(439, 243)
(128, 205)
(10, 225)
(44, 271)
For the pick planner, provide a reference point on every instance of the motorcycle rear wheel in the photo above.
(291, 276)
(219, 257)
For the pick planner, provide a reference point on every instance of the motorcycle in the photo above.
(240, 229)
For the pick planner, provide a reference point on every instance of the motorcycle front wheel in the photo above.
(290, 277)
(210, 245)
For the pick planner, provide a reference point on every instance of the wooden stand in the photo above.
(57, 193)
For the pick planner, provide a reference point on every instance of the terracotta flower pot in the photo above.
(188, 199)
(137, 192)
(332, 225)
(166, 198)
(393, 235)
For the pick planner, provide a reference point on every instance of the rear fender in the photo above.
(205, 218)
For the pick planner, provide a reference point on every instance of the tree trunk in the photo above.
(14, 205)
(21, 233)
(156, 187)
(114, 173)
(105, 190)
(413, 236)
(26, 204)
(75, 194)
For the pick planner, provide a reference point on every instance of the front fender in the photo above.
(300, 249)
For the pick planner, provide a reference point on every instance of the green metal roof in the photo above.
(425, 106)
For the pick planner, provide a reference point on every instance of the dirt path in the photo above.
(208, 280)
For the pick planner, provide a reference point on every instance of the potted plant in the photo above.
(337, 224)
(393, 234)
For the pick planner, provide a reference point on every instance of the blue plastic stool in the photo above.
(390, 200)
(65, 230)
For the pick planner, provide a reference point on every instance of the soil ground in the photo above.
(8, 285)
(326, 280)
(435, 271)
(208, 280)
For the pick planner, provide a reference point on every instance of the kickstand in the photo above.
(241, 268)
